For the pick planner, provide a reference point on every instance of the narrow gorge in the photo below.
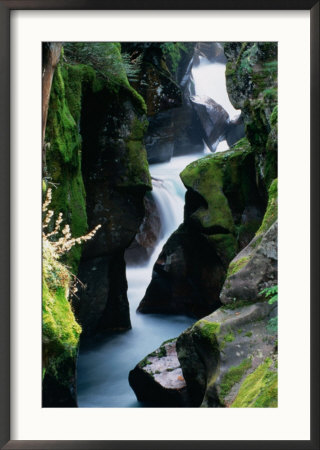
(160, 224)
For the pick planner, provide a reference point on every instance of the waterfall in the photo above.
(210, 81)
(104, 363)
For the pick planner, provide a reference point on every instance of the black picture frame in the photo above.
(6, 6)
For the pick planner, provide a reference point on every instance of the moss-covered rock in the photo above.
(260, 388)
(253, 269)
(225, 182)
(63, 156)
(116, 177)
(157, 380)
(60, 334)
(251, 75)
(271, 214)
(218, 352)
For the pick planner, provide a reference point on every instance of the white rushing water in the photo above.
(104, 363)
(210, 81)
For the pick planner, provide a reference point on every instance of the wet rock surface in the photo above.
(158, 380)
(116, 178)
(220, 350)
(213, 118)
(253, 269)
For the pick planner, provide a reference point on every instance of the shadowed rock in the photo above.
(213, 118)
(158, 380)
(220, 350)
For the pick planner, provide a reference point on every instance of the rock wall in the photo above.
(252, 77)
(96, 165)
(116, 178)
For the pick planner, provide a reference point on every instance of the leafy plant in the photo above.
(271, 293)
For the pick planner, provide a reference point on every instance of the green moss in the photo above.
(229, 337)
(205, 177)
(271, 213)
(173, 52)
(209, 328)
(274, 116)
(233, 376)
(61, 131)
(135, 164)
(237, 265)
(222, 180)
(72, 76)
(242, 145)
(236, 304)
(63, 156)
(145, 362)
(162, 352)
(259, 389)
(248, 334)
(60, 331)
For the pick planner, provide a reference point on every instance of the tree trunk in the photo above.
(50, 57)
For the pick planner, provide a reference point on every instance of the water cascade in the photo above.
(104, 362)
(209, 81)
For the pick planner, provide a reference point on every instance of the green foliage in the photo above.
(60, 331)
(271, 293)
(271, 213)
(229, 337)
(233, 376)
(173, 52)
(104, 58)
(259, 389)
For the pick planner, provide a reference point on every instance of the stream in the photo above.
(105, 361)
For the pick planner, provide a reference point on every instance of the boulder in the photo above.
(187, 277)
(255, 267)
(157, 380)
(235, 130)
(223, 210)
(213, 118)
(222, 349)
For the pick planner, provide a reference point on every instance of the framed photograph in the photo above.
(155, 162)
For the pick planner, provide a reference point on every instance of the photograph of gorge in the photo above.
(159, 207)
